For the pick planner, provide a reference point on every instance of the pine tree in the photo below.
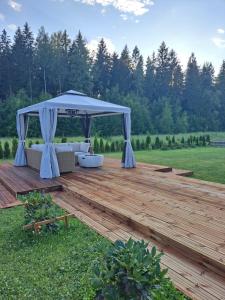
(6, 66)
(79, 66)
(192, 92)
(14, 146)
(6, 150)
(43, 59)
(137, 72)
(101, 70)
(29, 58)
(124, 74)
(149, 80)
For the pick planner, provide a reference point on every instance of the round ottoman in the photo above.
(90, 160)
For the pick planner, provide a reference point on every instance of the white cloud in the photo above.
(15, 5)
(12, 27)
(93, 45)
(220, 30)
(218, 42)
(103, 11)
(2, 17)
(124, 17)
(135, 7)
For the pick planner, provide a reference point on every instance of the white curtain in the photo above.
(21, 126)
(128, 159)
(49, 164)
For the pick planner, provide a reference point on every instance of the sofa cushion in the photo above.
(63, 148)
(75, 146)
(38, 147)
(84, 147)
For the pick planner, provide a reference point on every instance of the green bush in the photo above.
(96, 145)
(148, 141)
(101, 146)
(37, 142)
(39, 207)
(138, 145)
(64, 139)
(30, 143)
(130, 271)
(112, 147)
(157, 143)
(14, 146)
(7, 152)
(107, 147)
(1, 151)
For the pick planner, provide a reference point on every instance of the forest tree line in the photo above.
(163, 97)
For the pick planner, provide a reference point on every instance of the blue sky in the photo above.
(185, 25)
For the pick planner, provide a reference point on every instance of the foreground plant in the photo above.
(39, 207)
(130, 271)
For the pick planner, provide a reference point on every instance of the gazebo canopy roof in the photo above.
(75, 101)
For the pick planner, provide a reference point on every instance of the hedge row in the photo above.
(101, 146)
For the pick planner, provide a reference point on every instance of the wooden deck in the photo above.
(183, 217)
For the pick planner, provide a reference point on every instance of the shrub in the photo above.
(164, 147)
(64, 139)
(107, 147)
(112, 147)
(101, 146)
(1, 151)
(14, 146)
(37, 142)
(117, 145)
(157, 143)
(133, 144)
(143, 145)
(39, 207)
(96, 145)
(30, 143)
(130, 271)
(148, 141)
(173, 140)
(138, 144)
(6, 150)
(182, 140)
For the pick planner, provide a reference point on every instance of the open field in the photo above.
(207, 163)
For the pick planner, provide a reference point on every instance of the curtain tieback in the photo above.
(127, 140)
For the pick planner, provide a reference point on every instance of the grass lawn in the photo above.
(208, 163)
(57, 266)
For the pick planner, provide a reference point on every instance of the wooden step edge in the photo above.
(187, 286)
(184, 173)
(201, 258)
(163, 170)
(4, 182)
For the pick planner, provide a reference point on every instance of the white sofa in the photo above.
(77, 148)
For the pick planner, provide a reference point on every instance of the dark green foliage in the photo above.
(7, 152)
(14, 146)
(138, 144)
(173, 140)
(30, 143)
(101, 146)
(157, 143)
(39, 207)
(37, 142)
(112, 147)
(133, 144)
(130, 271)
(148, 141)
(107, 147)
(1, 151)
(96, 145)
(64, 140)
(163, 98)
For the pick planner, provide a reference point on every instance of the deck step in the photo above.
(181, 172)
(195, 280)
(155, 229)
(7, 199)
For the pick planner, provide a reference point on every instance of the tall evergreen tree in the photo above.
(101, 70)
(149, 80)
(137, 72)
(79, 66)
(124, 75)
(43, 60)
(5, 65)
(29, 58)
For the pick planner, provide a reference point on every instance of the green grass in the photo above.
(53, 266)
(207, 163)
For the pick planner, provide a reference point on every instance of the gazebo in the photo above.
(68, 104)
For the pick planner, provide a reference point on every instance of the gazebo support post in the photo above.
(21, 126)
(128, 159)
